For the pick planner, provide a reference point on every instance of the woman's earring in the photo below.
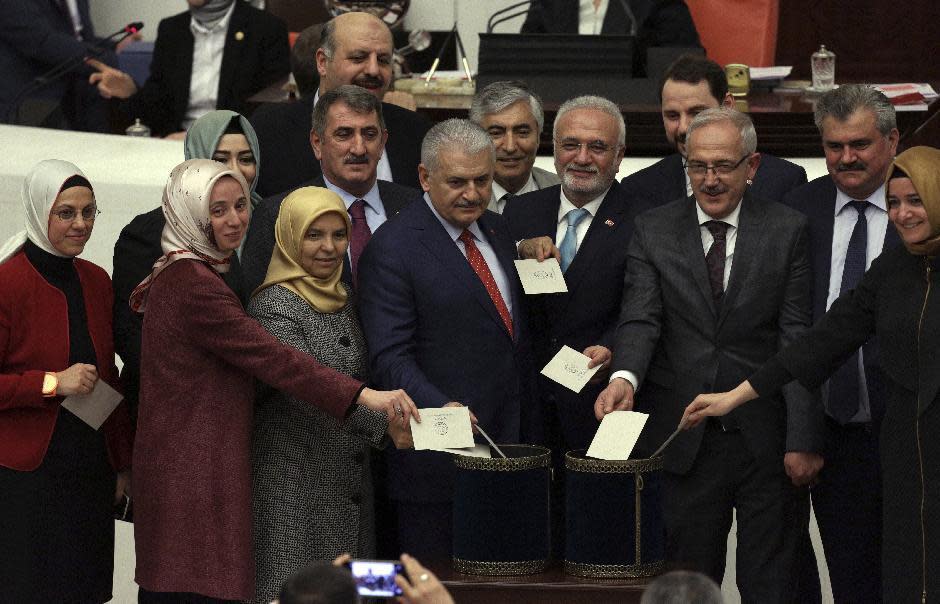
(750, 182)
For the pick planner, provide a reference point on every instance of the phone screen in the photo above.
(376, 578)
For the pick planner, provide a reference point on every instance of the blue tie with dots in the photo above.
(569, 244)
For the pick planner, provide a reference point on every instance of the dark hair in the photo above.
(356, 98)
(692, 69)
(898, 173)
(303, 60)
(234, 126)
(319, 583)
(75, 180)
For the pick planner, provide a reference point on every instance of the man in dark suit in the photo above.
(355, 48)
(691, 85)
(236, 51)
(709, 295)
(848, 228)
(348, 138)
(442, 311)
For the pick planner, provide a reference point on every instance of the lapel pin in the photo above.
(609, 222)
(239, 35)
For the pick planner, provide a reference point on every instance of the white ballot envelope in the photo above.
(444, 428)
(95, 407)
(474, 451)
(541, 277)
(570, 369)
(617, 435)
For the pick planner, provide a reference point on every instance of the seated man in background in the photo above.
(691, 85)
(213, 56)
(355, 48)
(303, 60)
(513, 118)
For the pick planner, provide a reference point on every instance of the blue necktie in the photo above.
(844, 383)
(569, 245)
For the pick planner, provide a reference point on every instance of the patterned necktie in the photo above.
(502, 202)
(844, 384)
(715, 258)
(569, 244)
(361, 233)
(479, 266)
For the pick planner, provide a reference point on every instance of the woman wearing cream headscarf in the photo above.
(898, 300)
(200, 355)
(58, 481)
(312, 470)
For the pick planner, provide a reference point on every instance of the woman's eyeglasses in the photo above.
(89, 213)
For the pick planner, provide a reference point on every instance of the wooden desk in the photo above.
(545, 588)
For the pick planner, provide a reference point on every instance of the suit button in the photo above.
(554, 341)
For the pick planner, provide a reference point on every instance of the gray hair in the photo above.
(598, 103)
(356, 98)
(497, 96)
(682, 587)
(328, 39)
(459, 134)
(725, 114)
(849, 98)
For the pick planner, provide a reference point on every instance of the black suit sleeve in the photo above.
(259, 244)
(153, 103)
(26, 28)
(535, 20)
(669, 24)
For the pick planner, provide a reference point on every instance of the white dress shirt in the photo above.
(383, 170)
(208, 47)
(590, 19)
(498, 204)
(581, 230)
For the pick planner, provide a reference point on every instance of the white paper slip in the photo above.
(444, 428)
(770, 73)
(474, 451)
(541, 277)
(570, 369)
(617, 435)
(95, 407)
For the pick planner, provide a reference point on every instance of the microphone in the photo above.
(493, 21)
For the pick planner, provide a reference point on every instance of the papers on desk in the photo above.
(770, 73)
(541, 277)
(95, 407)
(442, 429)
(908, 97)
(617, 435)
(570, 369)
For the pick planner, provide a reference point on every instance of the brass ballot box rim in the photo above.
(541, 458)
(576, 461)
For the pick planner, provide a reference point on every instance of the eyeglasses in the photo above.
(89, 213)
(593, 147)
(721, 168)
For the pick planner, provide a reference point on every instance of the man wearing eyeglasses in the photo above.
(586, 223)
(715, 285)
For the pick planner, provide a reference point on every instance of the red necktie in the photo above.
(361, 233)
(479, 266)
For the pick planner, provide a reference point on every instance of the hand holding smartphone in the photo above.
(376, 578)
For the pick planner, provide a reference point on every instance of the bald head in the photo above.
(355, 48)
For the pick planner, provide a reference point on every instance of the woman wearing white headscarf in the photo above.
(58, 479)
(200, 355)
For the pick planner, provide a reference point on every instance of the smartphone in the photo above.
(376, 578)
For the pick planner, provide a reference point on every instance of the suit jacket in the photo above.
(251, 61)
(587, 314)
(680, 343)
(817, 200)
(664, 181)
(283, 131)
(541, 178)
(433, 330)
(259, 242)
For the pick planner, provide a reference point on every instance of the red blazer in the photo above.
(34, 338)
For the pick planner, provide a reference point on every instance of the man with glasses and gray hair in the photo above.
(512, 116)
(715, 285)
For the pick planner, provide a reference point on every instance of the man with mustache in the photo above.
(355, 48)
(848, 221)
(691, 85)
(513, 117)
(348, 137)
(715, 285)
(442, 310)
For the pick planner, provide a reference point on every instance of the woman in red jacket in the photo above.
(59, 477)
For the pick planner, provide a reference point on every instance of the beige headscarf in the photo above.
(922, 165)
(188, 230)
(298, 211)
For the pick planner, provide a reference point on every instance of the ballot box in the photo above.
(613, 517)
(501, 512)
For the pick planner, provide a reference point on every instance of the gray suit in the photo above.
(680, 343)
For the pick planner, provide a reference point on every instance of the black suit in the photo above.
(256, 55)
(847, 502)
(259, 243)
(283, 131)
(680, 342)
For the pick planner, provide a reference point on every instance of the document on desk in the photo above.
(95, 407)
(442, 428)
(570, 369)
(541, 277)
(617, 435)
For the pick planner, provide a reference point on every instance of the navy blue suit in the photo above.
(664, 181)
(847, 501)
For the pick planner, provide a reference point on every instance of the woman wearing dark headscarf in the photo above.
(311, 469)
(57, 474)
(200, 355)
(898, 300)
